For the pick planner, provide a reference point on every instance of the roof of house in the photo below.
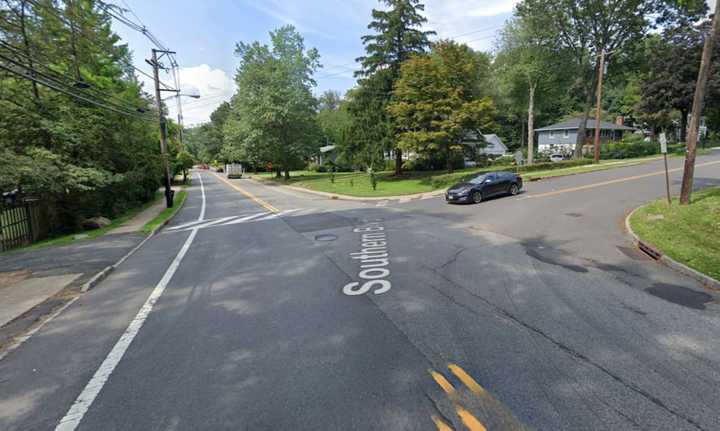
(495, 139)
(574, 123)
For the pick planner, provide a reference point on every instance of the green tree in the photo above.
(82, 159)
(674, 62)
(531, 71)
(184, 161)
(585, 28)
(397, 35)
(273, 118)
(334, 121)
(435, 102)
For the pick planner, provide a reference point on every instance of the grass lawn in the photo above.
(167, 213)
(358, 183)
(689, 234)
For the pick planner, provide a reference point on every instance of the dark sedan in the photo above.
(485, 186)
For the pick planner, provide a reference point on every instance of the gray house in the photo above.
(562, 136)
(493, 146)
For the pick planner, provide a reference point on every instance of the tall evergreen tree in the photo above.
(397, 35)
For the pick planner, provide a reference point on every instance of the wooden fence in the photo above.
(19, 223)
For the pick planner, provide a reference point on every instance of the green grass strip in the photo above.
(689, 234)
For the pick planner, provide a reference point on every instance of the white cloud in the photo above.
(214, 87)
(474, 22)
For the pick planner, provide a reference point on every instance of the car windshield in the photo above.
(479, 179)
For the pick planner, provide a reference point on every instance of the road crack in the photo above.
(562, 346)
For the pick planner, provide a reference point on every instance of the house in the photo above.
(563, 136)
(494, 146)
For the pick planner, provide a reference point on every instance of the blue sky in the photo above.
(204, 34)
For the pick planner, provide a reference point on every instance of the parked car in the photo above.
(556, 157)
(484, 186)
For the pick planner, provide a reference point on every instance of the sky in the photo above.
(204, 34)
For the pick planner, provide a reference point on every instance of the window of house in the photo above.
(566, 133)
(552, 134)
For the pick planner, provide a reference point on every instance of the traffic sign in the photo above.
(663, 143)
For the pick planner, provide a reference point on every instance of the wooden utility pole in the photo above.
(163, 126)
(531, 122)
(698, 100)
(598, 105)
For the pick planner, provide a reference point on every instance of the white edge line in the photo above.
(77, 411)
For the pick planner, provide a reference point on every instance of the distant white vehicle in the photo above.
(557, 157)
(234, 170)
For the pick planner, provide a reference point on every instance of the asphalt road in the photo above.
(528, 312)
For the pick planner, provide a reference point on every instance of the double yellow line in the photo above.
(249, 195)
(468, 419)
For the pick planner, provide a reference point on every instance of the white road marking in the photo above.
(82, 404)
(245, 219)
(214, 222)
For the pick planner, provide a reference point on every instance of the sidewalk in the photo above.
(34, 282)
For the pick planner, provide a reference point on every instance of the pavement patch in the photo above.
(680, 295)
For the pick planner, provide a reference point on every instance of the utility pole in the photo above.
(698, 99)
(163, 126)
(598, 106)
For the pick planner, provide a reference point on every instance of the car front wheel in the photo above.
(514, 189)
(477, 197)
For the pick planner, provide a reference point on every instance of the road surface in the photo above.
(261, 308)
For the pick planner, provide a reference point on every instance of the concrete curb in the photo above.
(659, 256)
(357, 198)
(102, 275)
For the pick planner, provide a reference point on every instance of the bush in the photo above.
(542, 166)
(631, 146)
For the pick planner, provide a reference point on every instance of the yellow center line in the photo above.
(440, 424)
(251, 196)
(615, 181)
(442, 381)
(470, 421)
(468, 381)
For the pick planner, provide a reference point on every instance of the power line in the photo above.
(29, 76)
(58, 77)
(58, 14)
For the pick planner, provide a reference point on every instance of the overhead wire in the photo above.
(33, 76)
(62, 79)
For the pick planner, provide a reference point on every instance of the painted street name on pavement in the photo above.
(374, 261)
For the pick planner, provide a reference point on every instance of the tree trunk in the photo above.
(398, 161)
(698, 99)
(531, 123)
(582, 130)
(449, 160)
(278, 173)
(683, 124)
(287, 174)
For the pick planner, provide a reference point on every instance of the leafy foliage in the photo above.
(435, 102)
(82, 159)
(272, 118)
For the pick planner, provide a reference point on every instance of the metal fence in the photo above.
(19, 222)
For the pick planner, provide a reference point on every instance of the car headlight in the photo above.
(462, 191)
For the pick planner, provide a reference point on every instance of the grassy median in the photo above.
(689, 234)
(358, 183)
